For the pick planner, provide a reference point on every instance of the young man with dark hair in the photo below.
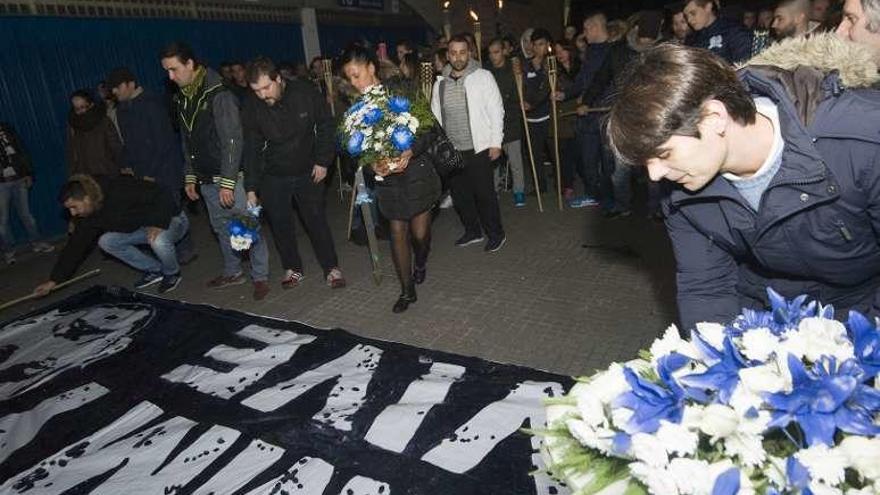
(120, 214)
(467, 103)
(403, 48)
(210, 128)
(502, 70)
(536, 96)
(772, 189)
(791, 18)
(725, 37)
(149, 146)
(288, 147)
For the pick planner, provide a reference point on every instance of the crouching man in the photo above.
(776, 172)
(121, 214)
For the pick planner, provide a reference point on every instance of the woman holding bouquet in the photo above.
(396, 147)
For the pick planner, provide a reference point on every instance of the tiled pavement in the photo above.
(542, 301)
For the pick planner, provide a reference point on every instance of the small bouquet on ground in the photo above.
(379, 127)
(244, 228)
(778, 402)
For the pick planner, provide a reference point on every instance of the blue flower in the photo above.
(398, 104)
(866, 340)
(727, 483)
(373, 116)
(355, 143)
(723, 376)
(236, 227)
(402, 138)
(782, 316)
(651, 402)
(355, 108)
(789, 314)
(798, 478)
(824, 399)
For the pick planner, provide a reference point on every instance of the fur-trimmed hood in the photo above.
(825, 52)
(91, 186)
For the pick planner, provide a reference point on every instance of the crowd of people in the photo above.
(745, 167)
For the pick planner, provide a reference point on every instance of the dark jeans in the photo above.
(277, 195)
(571, 162)
(538, 132)
(597, 166)
(473, 194)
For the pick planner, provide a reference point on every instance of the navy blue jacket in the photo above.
(726, 38)
(150, 146)
(816, 231)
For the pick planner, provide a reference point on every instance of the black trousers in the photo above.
(538, 134)
(473, 194)
(277, 195)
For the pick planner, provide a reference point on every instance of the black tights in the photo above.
(416, 230)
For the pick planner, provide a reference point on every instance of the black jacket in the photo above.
(13, 154)
(724, 37)
(149, 144)
(125, 205)
(210, 128)
(504, 77)
(288, 138)
(536, 86)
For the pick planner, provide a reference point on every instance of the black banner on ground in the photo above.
(112, 392)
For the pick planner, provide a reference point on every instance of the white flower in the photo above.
(822, 489)
(817, 337)
(719, 421)
(609, 384)
(721, 467)
(600, 439)
(377, 146)
(368, 131)
(649, 449)
(620, 417)
(692, 416)
(748, 447)
(766, 378)
(824, 464)
(759, 344)
(712, 333)
(657, 479)
(671, 342)
(863, 454)
(677, 439)
(775, 471)
(742, 399)
(867, 490)
(401, 120)
(690, 475)
(591, 409)
(380, 134)
(413, 121)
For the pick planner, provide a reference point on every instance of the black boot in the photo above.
(419, 274)
(406, 298)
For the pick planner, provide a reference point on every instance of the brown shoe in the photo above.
(261, 290)
(335, 279)
(223, 281)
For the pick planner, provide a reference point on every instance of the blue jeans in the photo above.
(220, 218)
(15, 193)
(124, 245)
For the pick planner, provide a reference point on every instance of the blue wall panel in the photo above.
(44, 59)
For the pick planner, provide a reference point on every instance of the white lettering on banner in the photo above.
(397, 424)
(252, 364)
(309, 475)
(253, 460)
(473, 441)
(17, 430)
(354, 370)
(95, 455)
(360, 485)
(67, 340)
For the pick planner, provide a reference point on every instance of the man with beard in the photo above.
(288, 147)
(791, 18)
(467, 103)
(210, 128)
(93, 144)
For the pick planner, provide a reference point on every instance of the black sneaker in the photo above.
(169, 283)
(495, 245)
(147, 280)
(468, 239)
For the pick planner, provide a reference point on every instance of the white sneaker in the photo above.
(446, 203)
(43, 247)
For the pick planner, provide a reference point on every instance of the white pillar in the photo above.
(311, 42)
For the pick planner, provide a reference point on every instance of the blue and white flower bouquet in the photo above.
(776, 402)
(380, 126)
(244, 228)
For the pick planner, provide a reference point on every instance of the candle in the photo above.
(478, 36)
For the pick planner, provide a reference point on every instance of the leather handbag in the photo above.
(446, 158)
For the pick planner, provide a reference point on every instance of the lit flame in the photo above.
(474, 16)
(550, 49)
(446, 4)
(500, 4)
